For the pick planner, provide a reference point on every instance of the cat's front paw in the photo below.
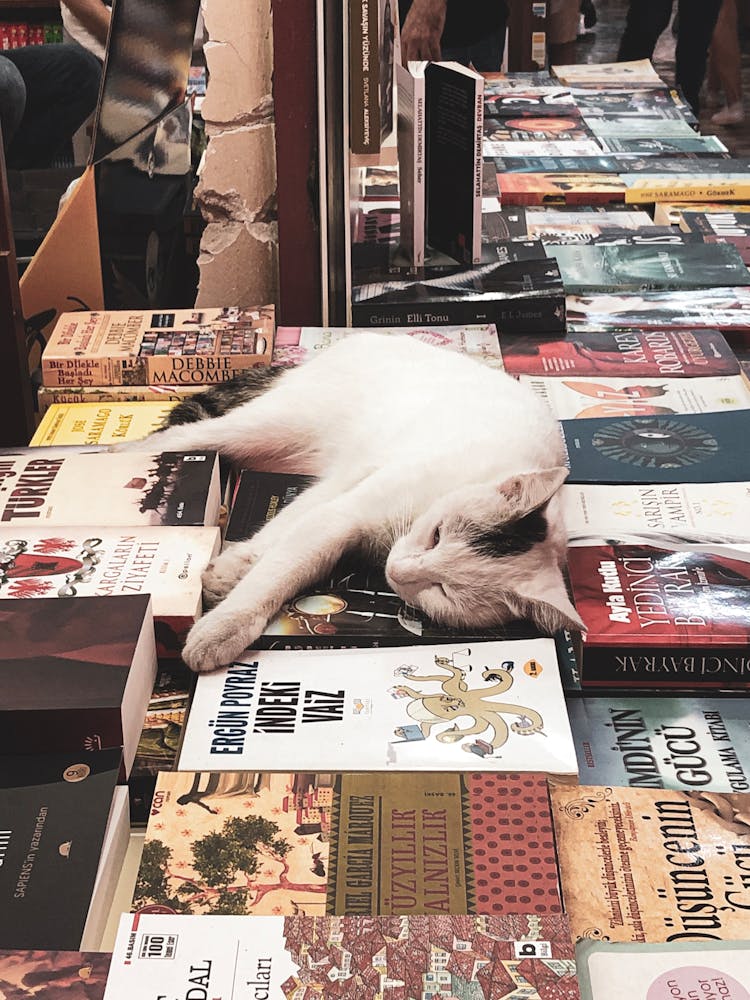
(222, 575)
(219, 637)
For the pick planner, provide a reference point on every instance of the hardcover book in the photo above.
(628, 353)
(663, 616)
(454, 102)
(72, 562)
(54, 810)
(630, 971)
(179, 347)
(684, 743)
(687, 448)
(409, 708)
(76, 676)
(54, 975)
(669, 864)
(644, 268)
(113, 394)
(680, 513)
(352, 958)
(698, 309)
(620, 397)
(83, 424)
(523, 296)
(355, 844)
(128, 488)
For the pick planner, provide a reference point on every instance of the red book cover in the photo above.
(569, 189)
(641, 353)
(663, 617)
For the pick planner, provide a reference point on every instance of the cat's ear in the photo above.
(530, 490)
(544, 600)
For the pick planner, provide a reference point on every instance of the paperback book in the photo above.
(42, 486)
(554, 164)
(660, 616)
(541, 147)
(686, 448)
(543, 129)
(537, 102)
(99, 394)
(697, 309)
(681, 513)
(411, 132)
(697, 145)
(373, 53)
(670, 213)
(640, 189)
(655, 849)
(353, 957)
(55, 810)
(82, 423)
(621, 397)
(684, 743)
(409, 708)
(618, 75)
(76, 675)
(573, 188)
(552, 226)
(628, 353)
(179, 347)
(629, 971)
(641, 126)
(356, 844)
(720, 227)
(72, 562)
(54, 975)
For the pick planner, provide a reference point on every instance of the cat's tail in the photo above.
(222, 397)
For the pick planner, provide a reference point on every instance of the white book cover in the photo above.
(681, 513)
(675, 970)
(439, 708)
(410, 132)
(539, 222)
(571, 398)
(615, 74)
(530, 147)
(97, 562)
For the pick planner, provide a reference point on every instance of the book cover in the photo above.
(100, 423)
(640, 189)
(670, 213)
(680, 513)
(544, 129)
(539, 102)
(372, 57)
(177, 347)
(54, 810)
(355, 844)
(565, 188)
(594, 101)
(636, 971)
(552, 226)
(696, 309)
(76, 675)
(627, 352)
(113, 394)
(720, 227)
(351, 957)
(409, 708)
(620, 397)
(630, 268)
(454, 105)
(72, 562)
(258, 497)
(688, 448)
(685, 743)
(541, 147)
(641, 126)
(670, 865)
(43, 486)
(637, 72)
(523, 296)
(700, 145)
(663, 616)
(412, 159)
(54, 975)
(554, 164)
(161, 735)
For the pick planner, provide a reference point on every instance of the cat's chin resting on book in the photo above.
(446, 470)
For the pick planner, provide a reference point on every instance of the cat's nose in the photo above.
(403, 571)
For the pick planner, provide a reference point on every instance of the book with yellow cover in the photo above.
(640, 189)
(99, 423)
(669, 213)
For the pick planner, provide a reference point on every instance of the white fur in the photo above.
(403, 437)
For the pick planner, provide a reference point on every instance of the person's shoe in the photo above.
(732, 114)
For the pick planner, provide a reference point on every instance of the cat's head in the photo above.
(484, 555)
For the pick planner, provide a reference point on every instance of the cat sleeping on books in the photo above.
(442, 468)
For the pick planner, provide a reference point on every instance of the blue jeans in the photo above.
(46, 93)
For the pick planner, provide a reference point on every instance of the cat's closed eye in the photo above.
(435, 536)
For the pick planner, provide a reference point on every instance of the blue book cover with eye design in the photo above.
(663, 448)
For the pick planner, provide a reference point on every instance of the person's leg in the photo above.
(12, 99)
(62, 88)
(725, 65)
(645, 21)
(697, 23)
(485, 55)
(562, 31)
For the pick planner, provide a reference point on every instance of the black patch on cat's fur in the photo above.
(224, 396)
(514, 538)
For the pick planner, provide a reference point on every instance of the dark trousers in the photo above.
(647, 19)
(61, 84)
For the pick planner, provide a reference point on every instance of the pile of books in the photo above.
(324, 824)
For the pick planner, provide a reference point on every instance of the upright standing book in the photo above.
(407, 709)
(373, 53)
(411, 132)
(357, 844)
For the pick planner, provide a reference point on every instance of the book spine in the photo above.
(63, 730)
(63, 372)
(420, 172)
(535, 315)
(675, 667)
(476, 229)
(199, 369)
(364, 93)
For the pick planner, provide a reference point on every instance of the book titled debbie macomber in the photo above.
(180, 347)
(661, 617)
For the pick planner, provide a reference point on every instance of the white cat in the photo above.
(445, 469)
